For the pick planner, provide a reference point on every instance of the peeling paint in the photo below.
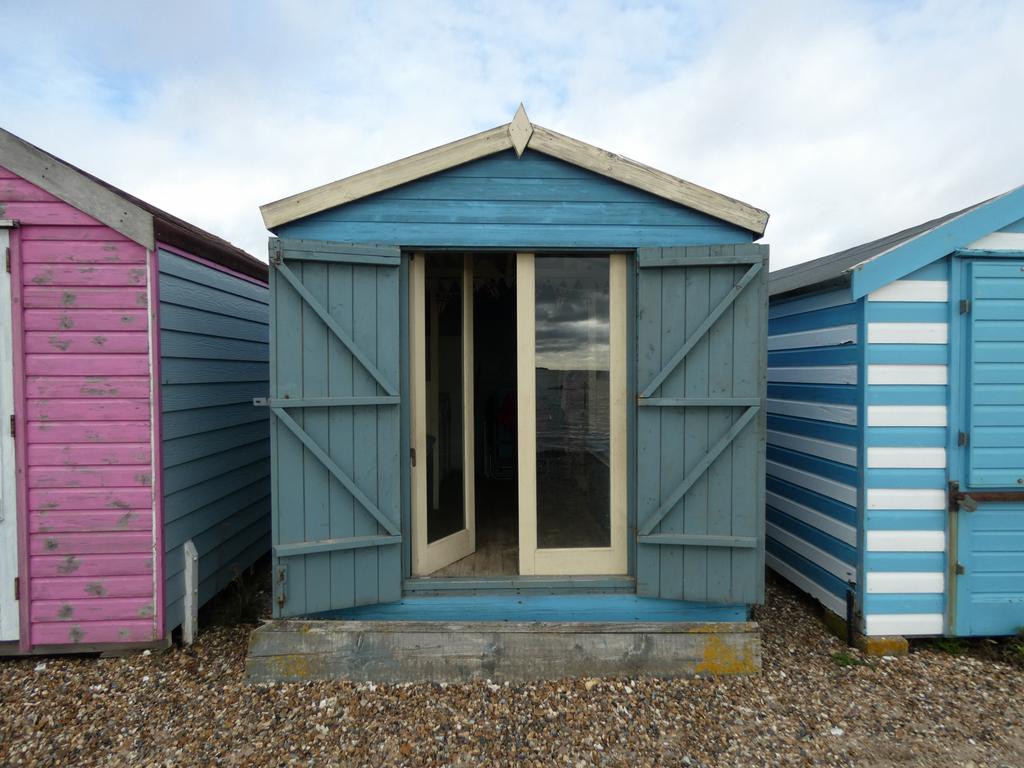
(87, 270)
(92, 437)
(137, 275)
(123, 634)
(48, 505)
(127, 319)
(69, 566)
(51, 544)
(76, 635)
(96, 588)
(43, 278)
(119, 504)
(68, 299)
(144, 478)
(110, 248)
(58, 343)
(141, 300)
(146, 612)
(99, 340)
(66, 322)
(65, 611)
(122, 522)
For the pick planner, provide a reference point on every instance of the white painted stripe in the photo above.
(826, 449)
(808, 585)
(906, 498)
(818, 556)
(906, 541)
(905, 583)
(912, 290)
(904, 624)
(824, 374)
(1000, 241)
(831, 526)
(907, 374)
(819, 337)
(906, 415)
(908, 333)
(906, 458)
(840, 414)
(823, 485)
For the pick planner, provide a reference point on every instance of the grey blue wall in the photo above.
(214, 339)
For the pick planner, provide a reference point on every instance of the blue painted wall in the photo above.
(813, 497)
(214, 339)
(503, 201)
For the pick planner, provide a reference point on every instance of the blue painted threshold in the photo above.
(584, 608)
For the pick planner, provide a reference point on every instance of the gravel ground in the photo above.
(815, 704)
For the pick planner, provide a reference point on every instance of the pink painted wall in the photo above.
(85, 457)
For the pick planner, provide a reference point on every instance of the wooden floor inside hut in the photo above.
(497, 533)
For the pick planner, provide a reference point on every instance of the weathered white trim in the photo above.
(77, 189)
(906, 458)
(907, 374)
(190, 624)
(906, 541)
(912, 290)
(820, 337)
(826, 449)
(847, 494)
(816, 555)
(906, 498)
(831, 526)
(904, 624)
(9, 617)
(908, 333)
(518, 134)
(823, 374)
(808, 585)
(906, 415)
(905, 583)
(999, 241)
(839, 414)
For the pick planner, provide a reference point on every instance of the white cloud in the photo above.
(845, 120)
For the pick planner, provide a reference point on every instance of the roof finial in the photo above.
(520, 130)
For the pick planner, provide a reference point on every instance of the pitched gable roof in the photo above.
(134, 218)
(519, 135)
(876, 263)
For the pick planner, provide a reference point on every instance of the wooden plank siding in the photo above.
(524, 203)
(87, 462)
(214, 340)
(813, 482)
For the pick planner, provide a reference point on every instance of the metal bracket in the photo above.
(967, 501)
(262, 402)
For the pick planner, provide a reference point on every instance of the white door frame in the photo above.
(9, 618)
(429, 557)
(577, 560)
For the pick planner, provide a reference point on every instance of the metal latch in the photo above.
(960, 570)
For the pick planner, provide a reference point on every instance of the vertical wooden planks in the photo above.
(648, 420)
(720, 476)
(364, 313)
(389, 558)
(342, 440)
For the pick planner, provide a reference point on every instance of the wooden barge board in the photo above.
(294, 650)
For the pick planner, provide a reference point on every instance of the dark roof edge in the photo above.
(210, 247)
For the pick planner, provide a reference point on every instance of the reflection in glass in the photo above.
(445, 491)
(573, 429)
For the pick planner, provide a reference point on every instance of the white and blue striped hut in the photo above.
(896, 426)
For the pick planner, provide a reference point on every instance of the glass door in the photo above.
(441, 352)
(571, 357)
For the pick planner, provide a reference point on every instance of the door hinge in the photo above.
(412, 456)
(965, 306)
(963, 438)
(17, 587)
(13, 429)
(960, 570)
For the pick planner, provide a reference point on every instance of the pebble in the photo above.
(928, 708)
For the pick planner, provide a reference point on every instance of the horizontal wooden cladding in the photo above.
(87, 409)
(76, 454)
(92, 566)
(61, 387)
(65, 588)
(72, 251)
(85, 342)
(95, 275)
(90, 498)
(73, 234)
(51, 297)
(87, 432)
(47, 213)
(71, 319)
(89, 632)
(74, 364)
(89, 477)
(180, 397)
(84, 609)
(200, 274)
(14, 189)
(91, 521)
(100, 543)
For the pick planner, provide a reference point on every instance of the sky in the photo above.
(844, 120)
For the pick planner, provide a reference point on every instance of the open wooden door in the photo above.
(335, 425)
(8, 480)
(700, 422)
